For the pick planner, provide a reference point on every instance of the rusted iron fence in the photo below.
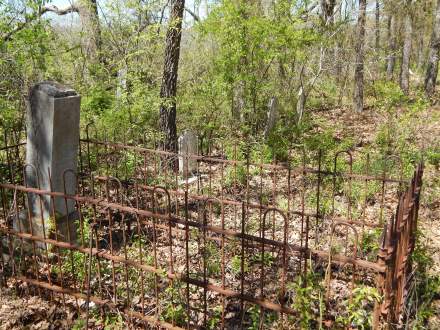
(395, 253)
(241, 244)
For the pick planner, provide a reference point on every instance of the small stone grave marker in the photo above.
(187, 143)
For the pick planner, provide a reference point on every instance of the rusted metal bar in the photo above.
(291, 249)
(251, 205)
(278, 166)
(98, 301)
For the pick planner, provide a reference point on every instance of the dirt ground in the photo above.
(31, 313)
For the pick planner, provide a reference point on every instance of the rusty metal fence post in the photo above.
(395, 254)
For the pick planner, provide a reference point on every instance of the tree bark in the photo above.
(169, 80)
(377, 50)
(358, 99)
(327, 8)
(434, 52)
(406, 53)
(391, 58)
(337, 50)
(91, 21)
(239, 93)
(377, 28)
(301, 104)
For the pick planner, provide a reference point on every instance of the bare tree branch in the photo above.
(73, 8)
(193, 14)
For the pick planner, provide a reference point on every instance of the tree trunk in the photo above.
(96, 30)
(391, 59)
(327, 8)
(434, 50)
(88, 13)
(420, 53)
(328, 20)
(239, 100)
(377, 28)
(272, 116)
(358, 99)
(377, 42)
(169, 79)
(406, 53)
(337, 50)
(301, 104)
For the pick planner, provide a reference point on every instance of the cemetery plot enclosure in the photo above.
(236, 243)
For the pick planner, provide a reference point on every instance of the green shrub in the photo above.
(426, 286)
(433, 156)
(174, 304)
(307, 293)
(235, 176)
(98, 100)
(388, 94)
(370, 243)
(254, 313)
(235, 265)
(359, 310)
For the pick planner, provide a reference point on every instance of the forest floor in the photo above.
(364, 129)
(35, 313)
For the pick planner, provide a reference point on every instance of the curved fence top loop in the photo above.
(75, 176)
(161, 189)
(36, 173)
(110, 179)
(274, 210)
(341, 223)
(350, 158)
(211, 199)
(395, 158)
(91, 124)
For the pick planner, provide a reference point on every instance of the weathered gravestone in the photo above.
(187, 147)
(272, 116)
(52, 147)
(122, 83)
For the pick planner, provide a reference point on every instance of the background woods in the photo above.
(234, 57)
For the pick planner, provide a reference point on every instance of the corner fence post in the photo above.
(395, 254)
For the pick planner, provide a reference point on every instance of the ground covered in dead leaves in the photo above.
(31, 313)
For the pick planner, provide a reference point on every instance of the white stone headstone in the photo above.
(187, 147)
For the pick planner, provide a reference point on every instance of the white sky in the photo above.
(63, 3)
